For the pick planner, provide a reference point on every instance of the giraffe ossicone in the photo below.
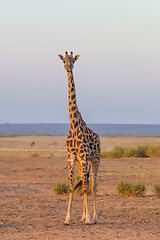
(83, 146)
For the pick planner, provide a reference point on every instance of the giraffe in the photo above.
(83, 147)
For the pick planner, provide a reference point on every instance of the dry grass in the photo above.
(61, 188)
(30, 209)
(157, 189)
(131, 189)
(143, 151)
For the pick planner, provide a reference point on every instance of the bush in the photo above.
(129, 152)
(137, 152)
(79, 190)
(153, 151)
(157, 189)
(131, 189)
(117, 152)
(34, 155)
(141, 152)
(104, 154)
(61, 188)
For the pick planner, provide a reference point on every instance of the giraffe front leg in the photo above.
(85, 216)
(68, 216)
(95, 217)
(71, 165)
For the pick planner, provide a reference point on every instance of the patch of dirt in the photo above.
(29, 208)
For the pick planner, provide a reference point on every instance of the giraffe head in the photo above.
(69, 61)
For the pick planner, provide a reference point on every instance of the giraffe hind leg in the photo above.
(84, 172)
(94, 170)
(86, 215)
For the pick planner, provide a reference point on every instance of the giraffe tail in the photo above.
(80, 182)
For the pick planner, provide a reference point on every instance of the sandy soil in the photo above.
(29, 208)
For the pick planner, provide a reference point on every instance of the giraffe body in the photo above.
(83, 146)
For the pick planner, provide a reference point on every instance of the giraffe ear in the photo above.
(61, 57)
(76, 57)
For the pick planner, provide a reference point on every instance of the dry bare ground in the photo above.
(29, 208)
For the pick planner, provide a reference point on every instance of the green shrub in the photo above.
(129, 152)
(131, 189)
(34, 155)
(139, 189)
(141, 152)
(157, 189)
(117, 152)
(104, 154)
(79, 190)
(61, 188)
(153, 151)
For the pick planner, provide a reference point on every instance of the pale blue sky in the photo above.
(117, 76)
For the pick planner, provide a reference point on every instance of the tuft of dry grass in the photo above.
(79, 190)
(154, 151)
(144, 151)
(61, 188)
(157, 189)
(34, 154)
(131, 189)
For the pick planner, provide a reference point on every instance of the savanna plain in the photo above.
(30, 209)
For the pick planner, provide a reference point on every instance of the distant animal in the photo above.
(53, 143)
(32, 144)
(83, 147)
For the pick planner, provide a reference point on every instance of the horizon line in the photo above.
(20, 123)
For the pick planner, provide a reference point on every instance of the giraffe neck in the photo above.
(73, 109)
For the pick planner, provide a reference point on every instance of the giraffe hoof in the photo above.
(82, 220)
(88, 222)
(95, 222)
(95, 219)
(66, 224)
